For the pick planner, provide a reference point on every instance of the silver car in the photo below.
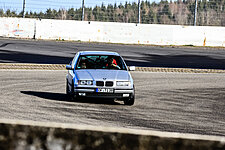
(99, 74)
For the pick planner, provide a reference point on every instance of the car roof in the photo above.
(98, 53)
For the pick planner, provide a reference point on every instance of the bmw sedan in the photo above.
(99, 74)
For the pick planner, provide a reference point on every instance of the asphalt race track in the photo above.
(53, 52)
(174, 102)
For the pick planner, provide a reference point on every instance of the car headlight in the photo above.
(123, 83)
(85, 82)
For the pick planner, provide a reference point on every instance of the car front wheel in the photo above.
(129, 101)
(67, 88)
(70, 94)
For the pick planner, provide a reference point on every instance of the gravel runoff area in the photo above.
(173, 102)
(143, 69)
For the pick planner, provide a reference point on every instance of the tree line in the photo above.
(210, 13)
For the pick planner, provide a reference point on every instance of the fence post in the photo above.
(139, 12)
(196, 11)
(82, 10)
(23, 9)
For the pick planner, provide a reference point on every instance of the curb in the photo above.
(179, 70)
(33, 66)
(141, 69)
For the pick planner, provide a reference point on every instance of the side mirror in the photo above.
(69, 67)
(132, 68)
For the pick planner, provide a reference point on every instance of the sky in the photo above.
(43, 5)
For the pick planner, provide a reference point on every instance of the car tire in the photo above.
(70, 94)
(129, 101)
(67, 88)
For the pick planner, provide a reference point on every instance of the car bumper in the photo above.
(117, 93)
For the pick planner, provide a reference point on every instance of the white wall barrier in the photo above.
(127, 33)
(17, 27)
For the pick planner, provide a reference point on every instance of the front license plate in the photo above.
(102, 90)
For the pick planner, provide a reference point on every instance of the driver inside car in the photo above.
(112, 64)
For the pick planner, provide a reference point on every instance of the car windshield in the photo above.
(100, 62)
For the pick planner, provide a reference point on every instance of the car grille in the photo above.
(99, 83)
(107, 83)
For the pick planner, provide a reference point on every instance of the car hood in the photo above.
(112, 75)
